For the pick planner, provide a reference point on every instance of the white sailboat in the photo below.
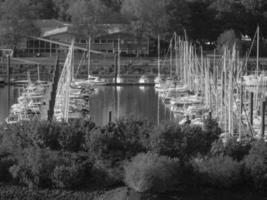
(91, 80)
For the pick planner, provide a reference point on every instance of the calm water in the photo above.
(135, 101)
(140, 102)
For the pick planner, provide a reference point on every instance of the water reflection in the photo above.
(140, 102)
(126, 101)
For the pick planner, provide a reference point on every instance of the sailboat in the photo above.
(253, 80)
(158, 79)
(91, 80)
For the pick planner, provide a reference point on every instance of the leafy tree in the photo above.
(43, 9)
(228, 39)
(61, 9)
(179, 16)
(148, 17)
(87, 16)
(16, 21)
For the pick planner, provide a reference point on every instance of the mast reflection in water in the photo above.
(139, 102)
(126, 101)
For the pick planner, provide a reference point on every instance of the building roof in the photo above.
(48, 26)
(49, 23)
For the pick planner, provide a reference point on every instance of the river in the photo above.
(128, 101)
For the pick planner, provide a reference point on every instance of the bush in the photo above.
(73, 174)
(113, 144)
(151, 172)
(218, 171)
(118, 141)
(53, 135)
(256, 164)
(34, 167)
(197, 141)
(168, 139)
(183, 142)
(212, 130)
(233, 148)
(62, 136)
(6, 161)
(37, 167)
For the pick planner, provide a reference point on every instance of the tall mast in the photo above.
(158, 56)
(38, 72)
(89, 56)
(176, 54)
(258, 43)
(171, 58)
(119, 57)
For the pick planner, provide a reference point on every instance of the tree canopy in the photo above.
(203, 20)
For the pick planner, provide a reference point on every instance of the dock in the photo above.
(130, 84)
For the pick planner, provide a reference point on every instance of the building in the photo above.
(54, 30)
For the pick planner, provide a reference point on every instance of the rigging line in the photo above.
(81, 62)
(250, 49)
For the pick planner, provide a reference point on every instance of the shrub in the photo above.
(197, 141)
(34, 167)
(53, 135)
(212, 130)
(62, 136)
(218, 171)
(75, 173)
(183, 142)
(168, 139)
(113, 144)
(37, 167)
(151, 172)
(256, 164)
(233, 148)
(6, 161)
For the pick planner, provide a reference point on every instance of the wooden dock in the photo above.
(130, 84)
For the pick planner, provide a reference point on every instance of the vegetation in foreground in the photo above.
(147, 159)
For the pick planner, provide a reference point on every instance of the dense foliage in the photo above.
(135, 153)
(151, 172)
(201, 20)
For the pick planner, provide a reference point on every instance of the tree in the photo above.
(228, 39)
(42, 9)
(16, 22)
(61, 8)
(87, 16)
(148, 17)
(203, 26)
(179, 16)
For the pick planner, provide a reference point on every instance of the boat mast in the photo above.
(38, 72)
(119, 57)
(89, 56)
(158, 56)
(258, 43)
(171, 58)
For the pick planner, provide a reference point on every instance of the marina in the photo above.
(195, 87)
